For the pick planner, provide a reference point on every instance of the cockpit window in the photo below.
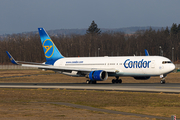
(166, 62)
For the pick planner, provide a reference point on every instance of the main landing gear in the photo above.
(90, 82)
(117, 80)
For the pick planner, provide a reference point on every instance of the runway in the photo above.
(132, 87)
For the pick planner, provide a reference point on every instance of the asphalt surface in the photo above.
(133, 87)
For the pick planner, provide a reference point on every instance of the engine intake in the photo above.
(98, 75)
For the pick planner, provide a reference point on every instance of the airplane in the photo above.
(99, 68)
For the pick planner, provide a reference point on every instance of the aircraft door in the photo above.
(152, 64)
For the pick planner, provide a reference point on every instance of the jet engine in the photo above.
(98, 75)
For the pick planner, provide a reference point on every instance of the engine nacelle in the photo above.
(98, 75)
(142, 78)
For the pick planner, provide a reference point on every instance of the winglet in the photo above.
(146, 53)
(11, 58)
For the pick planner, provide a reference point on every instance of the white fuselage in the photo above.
(125, 66)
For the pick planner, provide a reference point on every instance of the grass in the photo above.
(49, 111)
(26, 103)
(9, 73)
(157, 104)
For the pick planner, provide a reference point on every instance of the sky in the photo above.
(18, 16)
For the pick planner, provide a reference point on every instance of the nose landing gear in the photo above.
(163, 79)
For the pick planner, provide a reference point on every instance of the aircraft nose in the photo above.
(172, 67)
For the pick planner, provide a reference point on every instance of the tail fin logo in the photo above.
(48, 47)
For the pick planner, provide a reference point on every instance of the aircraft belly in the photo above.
(139, 72)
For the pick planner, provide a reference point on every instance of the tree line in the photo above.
(27, 47)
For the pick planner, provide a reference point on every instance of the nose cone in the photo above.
(172, 67)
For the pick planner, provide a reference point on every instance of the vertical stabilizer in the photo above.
(146, 52)
(50, 50)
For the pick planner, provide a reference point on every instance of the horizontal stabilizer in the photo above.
(23, 62)
(11, 58)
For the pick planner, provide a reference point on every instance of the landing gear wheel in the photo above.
(90, 82)
(163, 82)
(116, 81)
(113, 81)
(119, 81)
(93, 82)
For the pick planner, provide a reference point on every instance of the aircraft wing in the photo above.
(56, 68)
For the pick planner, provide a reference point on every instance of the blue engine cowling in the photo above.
(142, 78)
(98, 75)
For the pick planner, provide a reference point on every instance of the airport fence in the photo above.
(177, 66)
(14, 67)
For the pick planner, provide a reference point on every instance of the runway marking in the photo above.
(168, 87)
